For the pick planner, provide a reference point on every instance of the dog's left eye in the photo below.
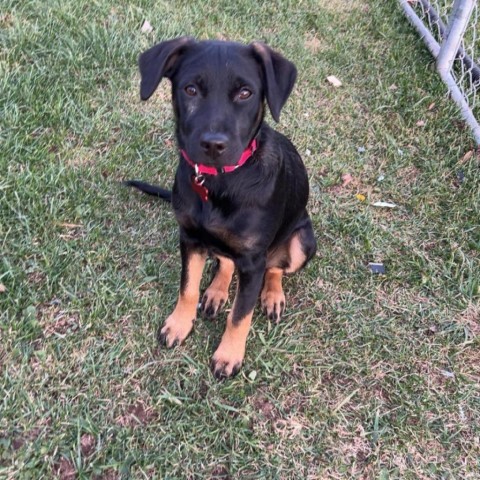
(244, 94)
(190, 90)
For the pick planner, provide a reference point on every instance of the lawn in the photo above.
(368, 376)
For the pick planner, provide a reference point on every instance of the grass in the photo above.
(367, 376)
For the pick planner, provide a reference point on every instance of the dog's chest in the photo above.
(203, 218)
(212, 227)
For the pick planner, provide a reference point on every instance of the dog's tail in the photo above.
(150, 189)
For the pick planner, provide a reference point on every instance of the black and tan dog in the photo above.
(241, 188)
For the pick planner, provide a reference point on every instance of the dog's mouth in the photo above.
(213, 166)
(228, 157)
(200, 161)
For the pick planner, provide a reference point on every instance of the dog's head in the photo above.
(219, 91)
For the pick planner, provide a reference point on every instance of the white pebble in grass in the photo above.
(146, 27)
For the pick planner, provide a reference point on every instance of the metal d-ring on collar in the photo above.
(199, 178)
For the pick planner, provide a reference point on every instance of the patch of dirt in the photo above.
(108, 474)
(470, 318)
(220, 472)
(71, 231)
(87, 444)
(6, 20)
(399, 300)
(289, 428)
(64, 469)
(294, 402)
(136, 415)
(36, 278)
(437, 378)
(57, 322)
(80, 157)
(29, 436)
(350, 185)
(264, 407)
(353, 444)
(408, 175)
(313, 43)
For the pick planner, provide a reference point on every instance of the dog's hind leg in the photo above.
(216, 294)
(272, 297)
(180, 323)
(288, 257)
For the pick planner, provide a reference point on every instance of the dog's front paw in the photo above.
(213, 300)
(174, 331)
(273, 303)
(227, 360)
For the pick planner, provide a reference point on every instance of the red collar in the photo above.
(201, 169)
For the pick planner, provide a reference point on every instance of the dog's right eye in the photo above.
(244, 93)
(190, 90)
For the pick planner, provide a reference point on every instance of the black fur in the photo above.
(252, 213)
(150, 189)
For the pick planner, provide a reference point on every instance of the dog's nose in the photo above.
(213, 144)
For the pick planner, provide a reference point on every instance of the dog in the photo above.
(240, 189)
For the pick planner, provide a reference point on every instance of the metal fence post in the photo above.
(446, 44)
(457, 24)
(424, 33)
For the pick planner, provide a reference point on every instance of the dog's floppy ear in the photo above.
(279, 76)
(158, 61)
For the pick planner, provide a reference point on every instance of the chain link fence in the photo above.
(451, 32)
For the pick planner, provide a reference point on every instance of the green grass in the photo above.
(366, 377)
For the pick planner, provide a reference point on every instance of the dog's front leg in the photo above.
(228, 358)
(180, 323)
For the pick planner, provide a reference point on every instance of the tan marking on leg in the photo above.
(216, 294)
(228, 358)
(297, 256)
(278, 256)
(273, 298)
(179, 324)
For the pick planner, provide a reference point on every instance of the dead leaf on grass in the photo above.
(70, 225)
(333, 80)
(346, 179)
(384, 204)
(3, 288)
(467, 156)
